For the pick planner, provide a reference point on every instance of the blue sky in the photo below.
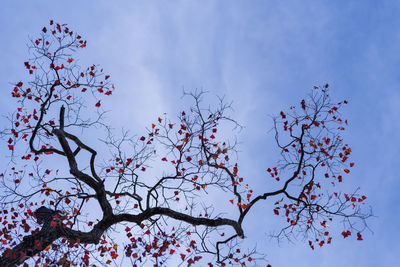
(264, 56)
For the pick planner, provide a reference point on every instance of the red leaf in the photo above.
(98, 104)
(346, 233)
(107, 76)
(359, 237)
(114, 255)
(182, 256)
(142, 138)
(303, 104)
(235, 170)
(164, 159)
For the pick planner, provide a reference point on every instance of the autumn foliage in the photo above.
(149, 198)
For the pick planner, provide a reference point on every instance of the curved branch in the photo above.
(53, 229)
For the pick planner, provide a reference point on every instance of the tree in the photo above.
(62, 217)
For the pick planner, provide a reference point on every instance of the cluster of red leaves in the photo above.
(314, 137)
(64, 85)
